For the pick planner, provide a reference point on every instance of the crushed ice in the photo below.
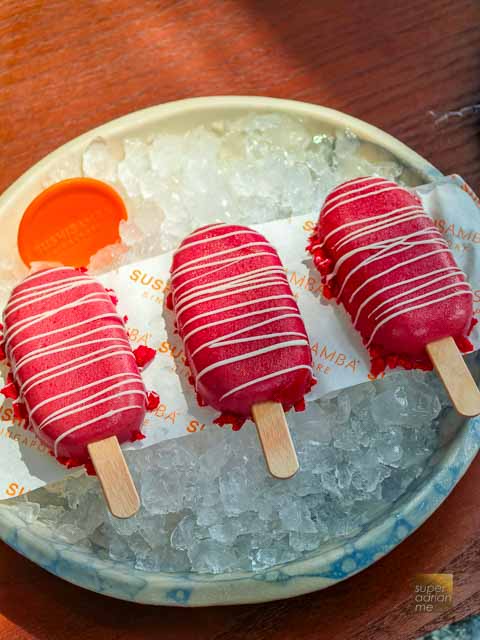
(255, 169)
(208, 504)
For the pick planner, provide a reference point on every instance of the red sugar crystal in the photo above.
(153, 400)
(143, 355)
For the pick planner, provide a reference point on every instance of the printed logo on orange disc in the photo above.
(70, 221)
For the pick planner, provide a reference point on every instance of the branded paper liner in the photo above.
(339, 358)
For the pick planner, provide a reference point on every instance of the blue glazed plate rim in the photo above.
(319, 569)
(294, 578)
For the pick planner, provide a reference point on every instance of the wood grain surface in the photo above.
(114, 476)
(275, 438)
(411, 68)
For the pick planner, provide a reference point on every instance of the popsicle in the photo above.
(244, 340)
(76, 374)
(381, 256)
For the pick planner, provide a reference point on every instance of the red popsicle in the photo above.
(244, 339)
(72, 363)
(382, 257)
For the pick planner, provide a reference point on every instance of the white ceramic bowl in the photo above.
(321, 568)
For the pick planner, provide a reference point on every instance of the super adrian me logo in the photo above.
(433, 592)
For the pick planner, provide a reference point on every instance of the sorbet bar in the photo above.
(382, 257)
(244, 339)
(72, 363)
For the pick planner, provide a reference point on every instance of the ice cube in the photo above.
(70, 533)
(295, 516)
(270, 556)
(225, 532)
(211, 556)
(27, 511)
(314, 423)
(119, 549)
(98, 161)
(303, 541)
(134, 166)
(108, 258)
(346, 144)
(183, 533)
(389, 446)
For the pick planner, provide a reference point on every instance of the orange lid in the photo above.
(70, 221)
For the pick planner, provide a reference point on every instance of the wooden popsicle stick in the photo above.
(455, 375)
(114, 476)
(275, 439)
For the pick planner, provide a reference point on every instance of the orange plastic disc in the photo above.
(70, 221)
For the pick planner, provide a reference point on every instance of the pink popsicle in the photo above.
(244, 338)
(72, 362)
(381, 256)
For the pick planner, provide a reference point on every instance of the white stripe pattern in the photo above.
(373, 232)
(209, 298)
(70, 357)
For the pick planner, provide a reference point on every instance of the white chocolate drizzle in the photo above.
(401, 233)
(48, 348)
(247, 268)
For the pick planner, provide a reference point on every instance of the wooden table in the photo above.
(411, 68)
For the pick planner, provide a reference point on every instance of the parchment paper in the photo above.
(340, 359)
